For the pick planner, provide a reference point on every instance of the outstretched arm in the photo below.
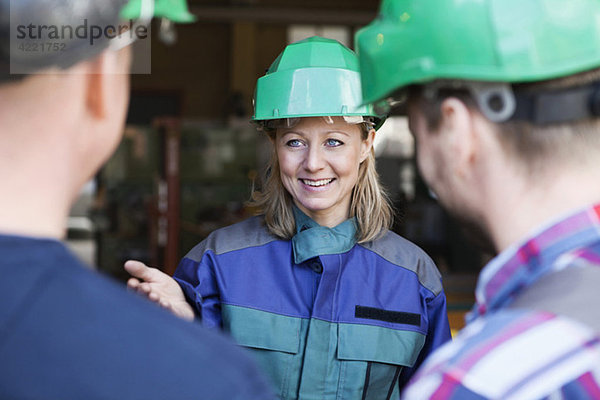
(158, 287)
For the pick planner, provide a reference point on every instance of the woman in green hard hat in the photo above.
(332, 304)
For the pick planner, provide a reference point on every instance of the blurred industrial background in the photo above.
(190, 157)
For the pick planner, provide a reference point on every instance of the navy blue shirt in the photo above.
(69, 333)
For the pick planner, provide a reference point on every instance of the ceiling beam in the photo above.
(280, 15)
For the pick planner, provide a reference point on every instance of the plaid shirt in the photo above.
(507, 353)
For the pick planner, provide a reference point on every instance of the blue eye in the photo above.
(293, 143)
(333, 143)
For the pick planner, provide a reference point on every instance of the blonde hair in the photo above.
(369, 203)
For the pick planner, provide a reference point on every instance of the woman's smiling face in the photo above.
(319, 165)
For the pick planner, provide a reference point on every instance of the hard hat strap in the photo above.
(501, 102)
(495, 100)
(558, 106)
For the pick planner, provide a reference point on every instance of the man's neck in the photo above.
(32, 224)
(515, 215)
(34, 202)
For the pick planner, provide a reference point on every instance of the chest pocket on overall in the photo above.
(373, 357)
(273, 339)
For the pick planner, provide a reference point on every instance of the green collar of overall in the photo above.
(312, 240)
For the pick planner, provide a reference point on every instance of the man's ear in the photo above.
(458, 124)
(367, 145)
(96, 96)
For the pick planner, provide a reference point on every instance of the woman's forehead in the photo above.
(321, 124)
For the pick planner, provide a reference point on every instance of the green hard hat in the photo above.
(174, 10)
(310, 78)
(417, 41)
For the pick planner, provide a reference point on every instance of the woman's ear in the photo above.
(367, 145)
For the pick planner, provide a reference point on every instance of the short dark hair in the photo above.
(532, 144)
(57, 13)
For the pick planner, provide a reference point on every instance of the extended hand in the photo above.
(158, 287)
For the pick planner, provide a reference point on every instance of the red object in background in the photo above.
(168, 199)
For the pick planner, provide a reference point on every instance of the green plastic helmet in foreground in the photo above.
(174, 10)
(416, 41)
(310, 78)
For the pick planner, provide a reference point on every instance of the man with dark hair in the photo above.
(503, 98)
(66, 332)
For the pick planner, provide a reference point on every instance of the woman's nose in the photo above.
(314, 159)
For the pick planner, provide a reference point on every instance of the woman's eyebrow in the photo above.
(325, 133)
(339, 131)
(292, 132)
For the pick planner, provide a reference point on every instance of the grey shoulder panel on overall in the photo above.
(249, 233)
(403, 253)
(571, 292)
